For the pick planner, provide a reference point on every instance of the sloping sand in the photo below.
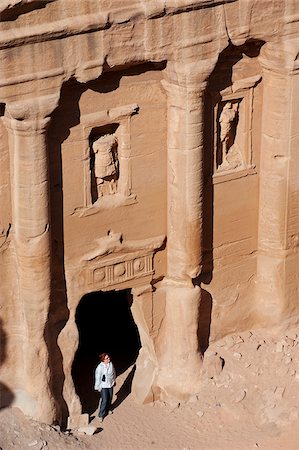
(249, 399)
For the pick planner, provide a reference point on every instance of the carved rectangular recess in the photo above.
(232, 137)
(107, 159)
(120, 269)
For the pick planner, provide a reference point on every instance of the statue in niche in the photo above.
(228, 122)
(105, 164)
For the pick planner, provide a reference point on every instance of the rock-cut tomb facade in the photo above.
(148, 180)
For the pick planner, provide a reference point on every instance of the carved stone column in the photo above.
(26, 123)
(278, 232)
(177, 346)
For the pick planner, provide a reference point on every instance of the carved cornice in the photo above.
(54, 30)
(157, 8)
(109, 115)
(99, 21)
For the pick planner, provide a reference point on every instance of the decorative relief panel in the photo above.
(104, 166)
(115, 261)
(107, 159)
(119, 272)
(232, 117)
(229, 153)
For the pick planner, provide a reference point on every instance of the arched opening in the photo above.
(105, 324)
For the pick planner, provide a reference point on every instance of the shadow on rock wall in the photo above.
(125, 389)
(6, 395)
(220, 79)
(66, 116)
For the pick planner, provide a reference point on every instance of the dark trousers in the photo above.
(106, 399)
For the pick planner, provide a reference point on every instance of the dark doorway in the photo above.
(105, 324)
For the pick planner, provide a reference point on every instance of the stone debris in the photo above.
(292, 335)
(238, 339)
(38, 445)
(279, 392)
(89, 430)
(212, 364)
(77, 421)
(289, 341)
(246, 335)
(173, 405)
(200, 413)
(239, 396)
(271, 359)
(279, 347)
(229, 342)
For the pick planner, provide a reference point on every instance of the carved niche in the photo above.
(103, 166)
(107, 159)
(232, 124)
(228, 152)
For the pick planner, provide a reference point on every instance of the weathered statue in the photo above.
(227, 116)
(105, 163)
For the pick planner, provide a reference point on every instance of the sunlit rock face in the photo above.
(148, 191)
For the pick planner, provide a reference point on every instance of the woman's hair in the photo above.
(102, 356)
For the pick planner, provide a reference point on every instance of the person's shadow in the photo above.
(124, 390)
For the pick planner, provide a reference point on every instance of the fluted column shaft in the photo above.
(179, 354)
(27, 123)
(184, 181)
(278, 232)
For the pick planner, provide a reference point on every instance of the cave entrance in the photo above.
(105, 324)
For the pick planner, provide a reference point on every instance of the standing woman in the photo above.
(104, 381)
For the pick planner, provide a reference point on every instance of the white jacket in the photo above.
(110, 376)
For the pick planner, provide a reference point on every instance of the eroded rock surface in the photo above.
(149, 177)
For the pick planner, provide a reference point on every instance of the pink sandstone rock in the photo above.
(148, 176)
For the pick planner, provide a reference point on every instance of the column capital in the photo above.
(281, 57)
(192, 76)
(30, 115)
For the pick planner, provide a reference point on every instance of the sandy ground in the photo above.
(249, 399)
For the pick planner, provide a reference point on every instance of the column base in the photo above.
(277, 286)
(270, 299)
(179, 357)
